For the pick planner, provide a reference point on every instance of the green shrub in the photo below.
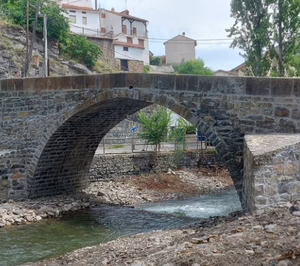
(146, 68)
(195, 67)
(81, 48)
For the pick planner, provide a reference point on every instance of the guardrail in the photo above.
(136, 145)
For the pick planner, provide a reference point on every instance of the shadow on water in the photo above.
(105, 223)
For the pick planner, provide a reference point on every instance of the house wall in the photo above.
(93, 23)
(179, 50)
(107, 47)
(112, 22)
(131, 54)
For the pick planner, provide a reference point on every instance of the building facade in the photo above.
(180, 49)
(128, 33)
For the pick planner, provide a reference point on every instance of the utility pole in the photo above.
(46, 71)
(27, 36)
(29, 57)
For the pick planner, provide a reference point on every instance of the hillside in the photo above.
(12, 56)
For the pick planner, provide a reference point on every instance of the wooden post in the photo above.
(28, 59)
(104, 145)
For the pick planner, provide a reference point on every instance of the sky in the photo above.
(199, 19)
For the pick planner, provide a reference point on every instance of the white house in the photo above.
(131, 44)
(180, 49)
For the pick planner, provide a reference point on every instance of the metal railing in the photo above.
(136, 145)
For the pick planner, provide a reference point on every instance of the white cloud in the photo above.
(200, 19)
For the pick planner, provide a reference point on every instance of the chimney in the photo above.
(183, 33)
(113, 9)
(126, 12)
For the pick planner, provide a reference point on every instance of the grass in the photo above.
(118, 146)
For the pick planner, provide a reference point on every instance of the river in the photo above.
(101, 224)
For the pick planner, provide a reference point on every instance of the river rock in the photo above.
(270, 228)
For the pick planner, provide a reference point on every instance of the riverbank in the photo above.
(264, 238)
(124, 191)
(159, 187)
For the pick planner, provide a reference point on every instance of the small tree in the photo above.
(155, 60)
(155, 127)
(195, 67)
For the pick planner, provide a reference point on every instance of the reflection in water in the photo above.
(85, 228)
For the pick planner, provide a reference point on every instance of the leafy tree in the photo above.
(155, 126)
(293, 68)
(251, 32)
(77, 47)
(81, 48)
(196, 67)
(286, 32)
(58, 25)
(155, 60)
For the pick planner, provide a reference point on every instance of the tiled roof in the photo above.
(85, 8)
(124, 15)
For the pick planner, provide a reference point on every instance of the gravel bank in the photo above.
(157, 187)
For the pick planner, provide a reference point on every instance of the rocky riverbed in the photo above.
(157, 187)
(125, 191)
(29, 211)
(264, 238)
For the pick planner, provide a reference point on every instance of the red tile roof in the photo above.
(125, 14)
(85, 8)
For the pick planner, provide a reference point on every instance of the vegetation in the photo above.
(146, 69)
(179, 133)
(155, 60)
(266, 30)
(81, 48)
(77, 47)
(155, 126)
(195, 67)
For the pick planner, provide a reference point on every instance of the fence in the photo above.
(137, 145)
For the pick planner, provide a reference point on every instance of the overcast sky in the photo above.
(199, 19)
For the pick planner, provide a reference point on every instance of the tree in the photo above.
(155, 126)
(251, 32)
(286, 32)
(58, 25)
(155, 60)
(195, 67)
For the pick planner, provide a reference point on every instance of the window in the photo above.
(84, 20)
(103, 30)
(141, 42)
(83, 12)
(134, 31)
(125, 49)
(129, 39)
(72, 11)
(72, 19)
(124, 29)
(103, 15)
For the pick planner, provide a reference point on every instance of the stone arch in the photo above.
(68, 147)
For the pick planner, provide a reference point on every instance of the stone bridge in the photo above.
(51, 127)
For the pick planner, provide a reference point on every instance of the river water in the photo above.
(52, 238)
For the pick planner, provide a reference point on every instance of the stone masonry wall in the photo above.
(114, 166)
(271, 170)
(55, 124)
